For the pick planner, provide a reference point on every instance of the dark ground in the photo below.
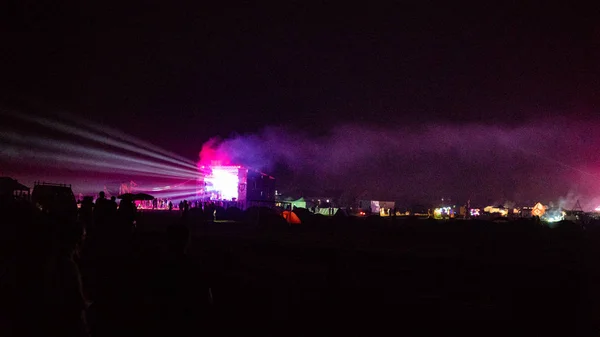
(362, 278)
(359, 277)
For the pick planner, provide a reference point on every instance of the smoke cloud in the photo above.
(549, 160)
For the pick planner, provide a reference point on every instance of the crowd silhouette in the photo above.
(185, 275)
(82, 277)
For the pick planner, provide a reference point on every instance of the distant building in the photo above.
(11, 188)
(54, 198)
(376, 207)
(526, 212)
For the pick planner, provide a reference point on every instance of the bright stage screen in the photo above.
(223, 181)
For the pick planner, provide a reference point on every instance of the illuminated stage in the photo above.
(234, 183)
(94, 158)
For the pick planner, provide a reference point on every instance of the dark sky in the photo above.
(179, 74)
(213, 70)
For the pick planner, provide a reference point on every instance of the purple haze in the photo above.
(546, 161)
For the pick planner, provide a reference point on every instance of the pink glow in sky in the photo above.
(212, 154)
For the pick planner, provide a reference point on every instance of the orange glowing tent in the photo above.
(291, 217)
(538, 209)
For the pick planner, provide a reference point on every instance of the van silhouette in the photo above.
(54, 199)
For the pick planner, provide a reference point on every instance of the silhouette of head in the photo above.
(101, 195)
(113, 198)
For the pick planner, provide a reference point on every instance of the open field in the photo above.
(363, 278)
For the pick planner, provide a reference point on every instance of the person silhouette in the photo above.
(86, 213)
(127, 211)
(64, 301)
(101, 209)
(112, 205)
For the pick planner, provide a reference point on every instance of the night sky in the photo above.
(313, 76)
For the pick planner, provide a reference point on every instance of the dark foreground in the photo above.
(346, 276)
